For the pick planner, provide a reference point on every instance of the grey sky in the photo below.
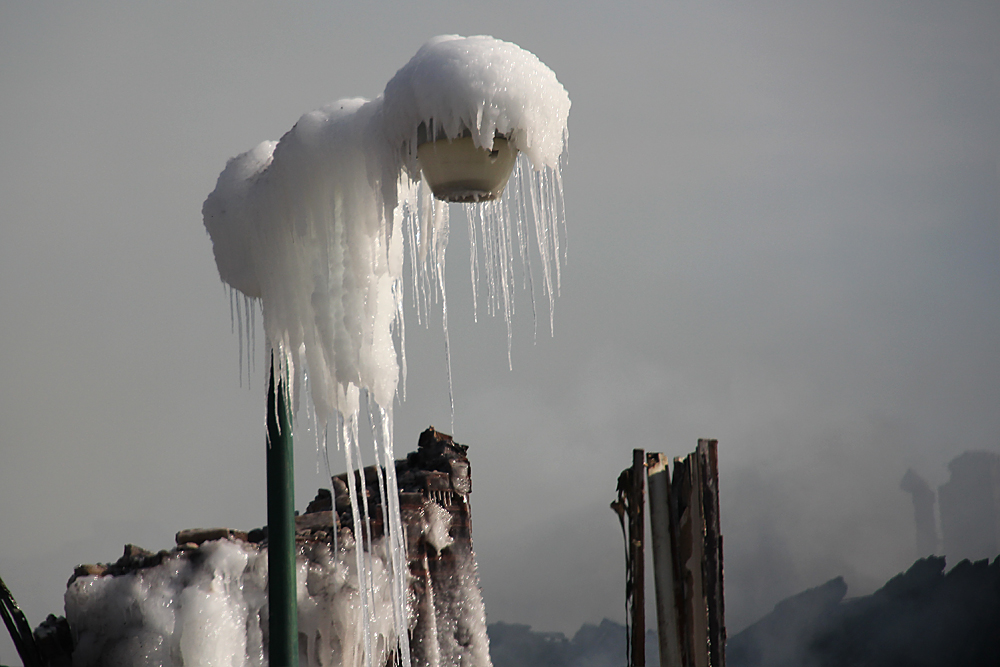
(784, 232)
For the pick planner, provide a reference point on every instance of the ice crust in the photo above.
(482, 85)
(209, 608)
(212, 611)
(438, 526)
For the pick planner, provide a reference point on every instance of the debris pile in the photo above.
(205, 601)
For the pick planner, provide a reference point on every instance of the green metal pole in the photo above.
(283, 640)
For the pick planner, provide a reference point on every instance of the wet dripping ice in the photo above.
(212, 610)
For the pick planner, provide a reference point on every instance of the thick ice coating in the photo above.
(303, 232)
(311, 225)
(212, 611)
(482, 85)
(314, 227)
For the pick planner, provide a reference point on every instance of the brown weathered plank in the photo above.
(680, 500)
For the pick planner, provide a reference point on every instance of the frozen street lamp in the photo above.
(315, 226)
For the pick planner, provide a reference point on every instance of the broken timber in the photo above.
(687, 556)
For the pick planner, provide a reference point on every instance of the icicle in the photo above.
(253, 330)
(439, 244)
(561, 212)
(552, 212)
(349, 431)
(410, 223)
(521, 217)
(389, 490)
(401, 328)
(239, 328)
(544, 232)
(248, 307)
(334, 532)
(473, 258)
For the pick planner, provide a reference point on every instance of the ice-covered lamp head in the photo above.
(463, 108)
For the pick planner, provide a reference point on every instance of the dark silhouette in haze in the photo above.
(923, 512)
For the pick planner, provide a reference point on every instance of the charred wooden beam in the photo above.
(629, 507)
(712, 568)
(637, 540)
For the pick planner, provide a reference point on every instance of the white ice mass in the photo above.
(313, 225)
(211, 611)
(316, 229)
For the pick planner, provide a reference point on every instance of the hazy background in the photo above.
(784, 233)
